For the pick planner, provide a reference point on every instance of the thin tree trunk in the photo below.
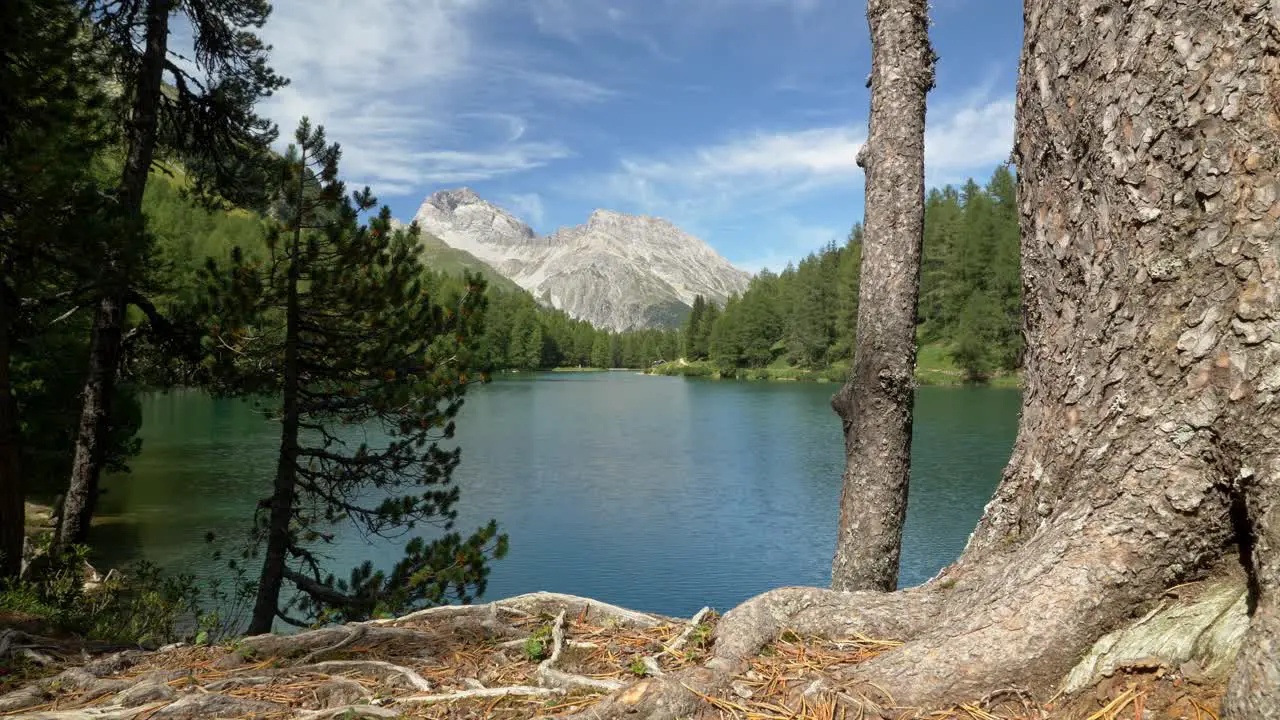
(284, 491)
(12, 492)
(108, 321)
(875, 403)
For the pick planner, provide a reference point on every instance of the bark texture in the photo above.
(108, 320)
(875, 404)
(12, 511)
(81, 498)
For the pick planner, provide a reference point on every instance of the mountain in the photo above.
(439, 256)
(616, 271)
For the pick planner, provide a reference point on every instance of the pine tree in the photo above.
(942, 218)
(762, 324)
(726, 336)
(336, 323)
(702, 343)
(1006, 283)
(601, 356)
(810, 332)
(693, 326)
(848, 272)
(207, 121)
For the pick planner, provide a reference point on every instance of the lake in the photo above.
(657, 493)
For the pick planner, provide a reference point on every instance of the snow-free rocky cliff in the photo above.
(617, 271)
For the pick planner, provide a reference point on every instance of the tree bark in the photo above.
(1146, 155)
(284, 489)
(108, 321)
(12, 492)
(875, 403)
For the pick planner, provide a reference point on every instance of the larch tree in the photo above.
(875, 403)
(370, 371)
(1148, 449)
(200, 112)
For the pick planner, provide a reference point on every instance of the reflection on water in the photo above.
(662, 494)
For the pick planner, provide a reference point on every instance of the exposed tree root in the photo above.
(534, 604)
(355, 632)
(371, 667)
(453, 660)
(549, 676)
(485, 693)
(350, 712)
(94, 713)
(323, 640)
(683, 639)
(199, 706)
(767, 656)
(746, 629)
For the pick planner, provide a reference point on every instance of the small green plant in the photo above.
(700, 636)
(638, 668)
(535, 646)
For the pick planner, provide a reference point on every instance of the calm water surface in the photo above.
(661, 494)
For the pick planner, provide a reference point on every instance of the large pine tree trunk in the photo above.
(1148, 155)
(875, 403)
(12, 512)
(108, 321)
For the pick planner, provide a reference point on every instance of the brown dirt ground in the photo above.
(774, 688)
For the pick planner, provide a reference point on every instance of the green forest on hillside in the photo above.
(800, 318)
(804, 317)
(519, 333)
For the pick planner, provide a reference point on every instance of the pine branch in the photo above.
(318, 590)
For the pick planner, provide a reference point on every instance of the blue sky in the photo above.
(737, 119)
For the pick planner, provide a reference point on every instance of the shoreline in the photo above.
(924, 376)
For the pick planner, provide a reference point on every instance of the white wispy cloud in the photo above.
(575, 20)
(762, 171)
(526, 206)
(792, 239)
(395, 82)
(572, 19)
(562, 87)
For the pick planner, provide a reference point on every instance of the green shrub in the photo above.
(141, 605)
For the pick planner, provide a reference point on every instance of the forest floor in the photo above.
(533, 656)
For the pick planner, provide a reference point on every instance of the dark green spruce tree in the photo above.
(336, 323)
(198, 114)
(691, 334)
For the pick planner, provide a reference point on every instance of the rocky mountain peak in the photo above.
(617, 270)
(452, 199)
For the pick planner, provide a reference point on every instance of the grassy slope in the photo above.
(440, 257)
